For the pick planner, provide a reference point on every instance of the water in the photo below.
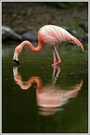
(39, 98)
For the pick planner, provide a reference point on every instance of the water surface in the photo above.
(39, 98)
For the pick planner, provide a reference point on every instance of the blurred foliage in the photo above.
(66, 4)
(74, 27)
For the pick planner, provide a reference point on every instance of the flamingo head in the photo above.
(17, 50)
(15, 58)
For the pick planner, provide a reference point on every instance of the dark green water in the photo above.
(39, 98)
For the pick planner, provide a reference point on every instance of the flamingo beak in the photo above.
(15, 58)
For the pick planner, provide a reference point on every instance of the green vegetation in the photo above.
(66, 4)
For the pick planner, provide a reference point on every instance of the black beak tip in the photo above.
(17, 62)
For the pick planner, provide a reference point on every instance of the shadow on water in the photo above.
(39, 98)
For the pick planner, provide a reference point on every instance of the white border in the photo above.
(1, 68)
(88, 68)
(45, 1)
(1, 63)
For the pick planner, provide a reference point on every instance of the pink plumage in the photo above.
(49, 35)
(53, 35)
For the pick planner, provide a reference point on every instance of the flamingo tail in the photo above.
(76, 41)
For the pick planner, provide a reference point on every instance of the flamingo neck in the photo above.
(29, 44)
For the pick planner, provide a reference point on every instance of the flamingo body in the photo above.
(53, 35)
(49, 35)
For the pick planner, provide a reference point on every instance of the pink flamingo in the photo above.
(50, 35)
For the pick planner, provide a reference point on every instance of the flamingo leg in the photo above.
(56, 52)
(54, 56)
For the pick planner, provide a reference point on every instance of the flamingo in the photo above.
(48, 35)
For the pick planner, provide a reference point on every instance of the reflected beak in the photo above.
(15, 58)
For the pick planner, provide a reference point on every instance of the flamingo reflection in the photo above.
(50, 98)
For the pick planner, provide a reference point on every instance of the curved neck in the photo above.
(34, 49)
(36, 80)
